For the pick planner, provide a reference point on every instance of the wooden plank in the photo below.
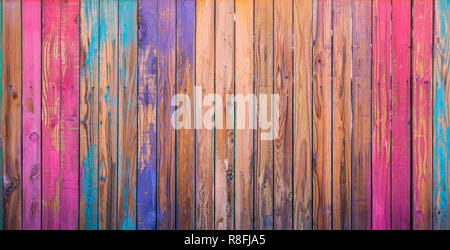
(147, 59)
(381, 115)
(127, 150)
(2, 149)
(204, 68)
(51, 74)
(361, 99)
(11, 112)
(165, 149)
(322, 154)
(89, 59)
(185, 144)
(283, 140)
(401, 114)
(70, 115)
(31, 114)
(244, 116)
(441, 120)
(422, 114)
(342, 114)
(263, 67)
(108, 114)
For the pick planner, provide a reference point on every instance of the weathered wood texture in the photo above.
(11, 115)
(322, 104)
(422, 112)
(441, 119)
(224, 86)
(31, 114)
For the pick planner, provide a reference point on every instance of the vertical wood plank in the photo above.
(31, 114)
(381, 115)
(148, 64)
(185, 136)
(422, 114)
(11, 115)
(51, 74)
(441, 119)
(283, 141)
(322, 90)
(303, 10)
(70, 115)
(225, 137)
(361, 99)
(342, 113)
(165, 133)
(2, 149)
(108, 114)
(245, 115)
(127, 150)
(401, 114)
(89, 56)
(263, 67)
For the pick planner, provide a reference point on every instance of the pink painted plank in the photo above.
(401, 129)
(31, 114)
(69, 113)
(50, 114)
(381, 114)
(422, 114)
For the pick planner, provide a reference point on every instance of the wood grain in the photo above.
(303, 11)
(244, 116)
(361, 100)
(127, 148)
(51, 74)
(322, 102)
(70, 115)
(441, 119)
(148, 65)
(11, 115)
(31, 114)
(89, 60)
(108, 114)
(263, 67)
(225, 136)
(185, 141)
(283, 141)
(422, 114)
(165, 149)
(2, 146)
(381, 115)
(342, 114)
(204, 68)
(401, 114)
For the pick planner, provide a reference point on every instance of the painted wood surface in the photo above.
(108, 114)
(148, 65)
(401, 114)
(89, 56)
(381, 116)
(245, 115)
(283, 141)
(322, 104)
(165, 149)
(127, 117)
(441, 121)
(263, 149)
(361, 102)
(185, 137)
(342, 114)
(31, 114)
(422, 114)
(224, 86)
(204, 144)
(11, 115)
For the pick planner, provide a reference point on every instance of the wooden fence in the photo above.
(363, 129)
